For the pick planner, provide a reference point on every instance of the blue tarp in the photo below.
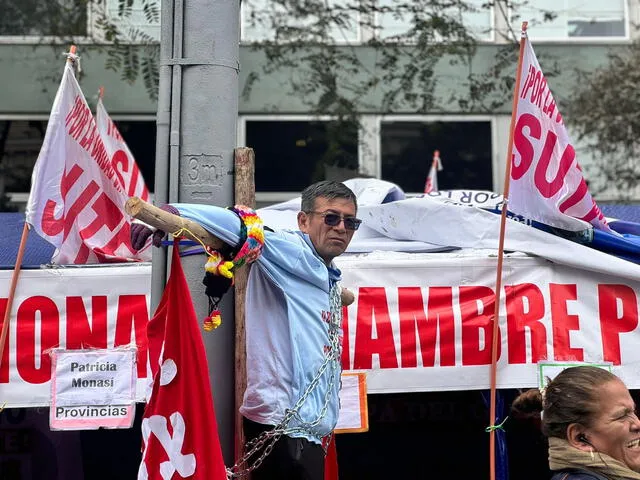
(37, 252)
(626, 245)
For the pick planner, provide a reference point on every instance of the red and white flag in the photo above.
(431, 185)
(179, 427)
(77, 200)
(122, 159)
(547, 184)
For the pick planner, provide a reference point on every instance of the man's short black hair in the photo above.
(328, 189)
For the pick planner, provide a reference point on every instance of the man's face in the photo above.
(616, 429)
(329, 241)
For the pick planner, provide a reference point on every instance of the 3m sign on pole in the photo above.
(77, 197)
(547, 184)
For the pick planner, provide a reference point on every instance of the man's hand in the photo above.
(140, 231)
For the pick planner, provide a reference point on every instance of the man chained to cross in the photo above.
(293, 327)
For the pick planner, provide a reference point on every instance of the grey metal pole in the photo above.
(204, 112)
(161, 182)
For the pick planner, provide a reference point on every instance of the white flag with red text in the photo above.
(547, 184)
(122, 159)
(77, 199)
(431, 184)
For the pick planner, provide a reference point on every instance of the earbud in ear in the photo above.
(583, 438)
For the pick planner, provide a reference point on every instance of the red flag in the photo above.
(431, 185)
(179, 427)
(331, 460)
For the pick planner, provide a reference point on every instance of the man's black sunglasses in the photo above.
(333, 219)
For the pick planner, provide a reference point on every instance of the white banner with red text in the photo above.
(72, 308)
(423, 322)
(420, 322)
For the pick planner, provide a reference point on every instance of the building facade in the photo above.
(291, 140)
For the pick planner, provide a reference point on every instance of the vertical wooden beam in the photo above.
(245, 194)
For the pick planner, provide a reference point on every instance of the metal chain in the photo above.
(268, 439)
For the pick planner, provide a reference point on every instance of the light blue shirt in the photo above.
(287, 316)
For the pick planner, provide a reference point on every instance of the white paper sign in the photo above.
(353, 416)
(92, 388)
(99, 377)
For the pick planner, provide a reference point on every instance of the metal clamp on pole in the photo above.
(217, 62)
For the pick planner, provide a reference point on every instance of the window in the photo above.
(397, 18)
(290, 155)
(266, 20)
(43, 18)
(20, 143)
(406, 150)
(561, 19)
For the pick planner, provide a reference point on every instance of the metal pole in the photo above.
(204, 112)
(161, 183)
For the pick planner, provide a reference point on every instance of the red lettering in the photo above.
(411, 309)
(575, 197)
(122, 237)
(80, 122)
(135, 173)
(83, 254)
(546, 188)
(107, 214)
(563, 323)
(4, 367)
(77, 207)
(89, 136)
(523, 144)
(133, 312)
(536, 85)
(80, 332)
(476, 307)
(531, 75)
(77, 108)
(439, 320)
(120, 160)
(593, 213)
(537, 98)
(550, 105)
(36, 312)
(525, 309)
(373, 308)
(50, 225)
(618, 311)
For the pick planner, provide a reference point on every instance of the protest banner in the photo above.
(420, 322)
(547, 184)
(77, 198)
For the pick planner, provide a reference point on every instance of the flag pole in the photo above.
(503, 221)
(18, 265)
(12, 288)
